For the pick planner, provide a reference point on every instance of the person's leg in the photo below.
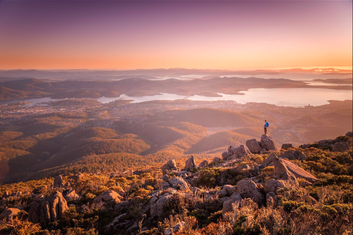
(265, 130)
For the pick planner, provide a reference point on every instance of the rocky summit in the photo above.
(252, 189)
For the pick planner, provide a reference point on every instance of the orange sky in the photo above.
(205, 35)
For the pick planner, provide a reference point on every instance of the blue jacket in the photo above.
(266, 124)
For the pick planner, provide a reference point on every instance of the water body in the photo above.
(295, 97)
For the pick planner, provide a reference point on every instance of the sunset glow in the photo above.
(144, 35)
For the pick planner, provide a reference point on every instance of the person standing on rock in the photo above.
(266, 125)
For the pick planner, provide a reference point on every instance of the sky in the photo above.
(174, 34)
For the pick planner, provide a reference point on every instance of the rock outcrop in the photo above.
(190, 164)
(273, 185)
(48, 209)
(203, 164)
(349, 134)
(293, 155)
(106, 200)
(178, 183)
(228, 204)
(71, 195)
(157, 203)
(283, 173)
(169, 167)
(286, 146)
(340, 147)
(253, 146)
(268, 143)
(241, 151)
(268, 160)
(248, 189)
(298, 171)
(10, 213)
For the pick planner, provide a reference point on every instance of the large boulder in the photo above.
(47, 209)
(298, 171)
(268, 142)
(248, 189)
(71, 195)
(9, 213)
(283, 173)
(286, 146)
(228, 204)
(157, 203)
(226, 190)
(178, 183)
(349, 134)
(340, 147)
(190, 164)
(293, 155)
(169, 166)
(273, 185)
(325, 143)
(253, 146)
(58, 181)
(268, 160)
(203, 164)
(241, 151)
(106, 200)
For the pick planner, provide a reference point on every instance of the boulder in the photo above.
(273, 185)
(241, 151)
(58, 181)
(268, 142)
(156, 204)
(169, 166)
(226, 155)
(340, 147)
(268, 160)
(228, 204)
(249, 189)
(190, 164)
(106, 200)
(293, 155)
(9, 213)
(324, 143)
(349, 134)
(286, 146)
(227, 190)
(203, 164)
(178, 183)
(71, 195)
(240, 168)
(216, 159)
(48, 209)
(253, 146)
(298, 171)
(283, 173)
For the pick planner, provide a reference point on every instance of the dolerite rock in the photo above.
(48, 209)
(298, 171)
(106, 200)
(9, 213)
(178, 183)
(157, 203)
(293, 155)
(169, 166)
(325, 143)
(165, 185)
(268, 160)
(268, 142)
(287, 146)
(349, 134)
(226, 155)
(248, 189)
(58, 181)
(203, 164)
(190, 164)
(241, 151)
(227, 190)
(228, 204)
(273, 185)
(71, 195)
(216, 160)
(340, 147)
(253, 146)
(283, 173)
